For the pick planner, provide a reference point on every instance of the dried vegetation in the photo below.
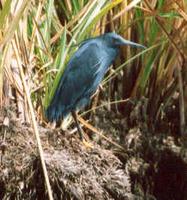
(141, 104)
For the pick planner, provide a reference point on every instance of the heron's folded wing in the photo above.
(78, 81)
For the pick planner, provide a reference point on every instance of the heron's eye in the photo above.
(113, 40)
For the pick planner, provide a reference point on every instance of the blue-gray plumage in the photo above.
(83, 74)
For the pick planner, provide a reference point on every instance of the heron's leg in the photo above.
(77, 124)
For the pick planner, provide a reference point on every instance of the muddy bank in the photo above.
(75, 171)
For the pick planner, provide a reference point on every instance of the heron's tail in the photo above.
(55, 113)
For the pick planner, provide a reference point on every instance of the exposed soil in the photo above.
(152, 166)
(75, 172)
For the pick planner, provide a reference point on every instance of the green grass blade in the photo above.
(4, 12)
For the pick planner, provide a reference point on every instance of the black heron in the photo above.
(83, 74)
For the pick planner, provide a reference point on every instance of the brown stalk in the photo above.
(179, 75)
(34, 123)
(89, 126)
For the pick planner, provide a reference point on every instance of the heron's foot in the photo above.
(87, 144)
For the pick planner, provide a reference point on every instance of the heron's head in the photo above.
(115, 40)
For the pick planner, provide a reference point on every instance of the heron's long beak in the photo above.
(133, 44)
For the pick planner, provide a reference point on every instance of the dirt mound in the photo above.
(75, 172)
